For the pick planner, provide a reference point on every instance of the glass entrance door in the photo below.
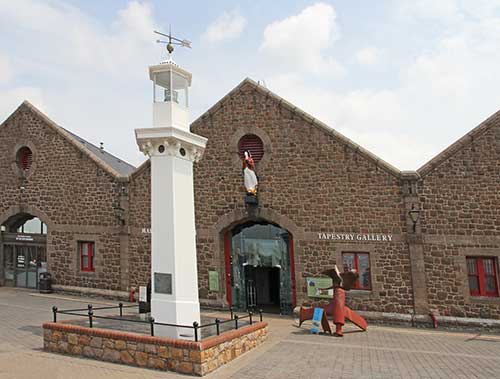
(8, 265)
(23, 263)
(261, 272)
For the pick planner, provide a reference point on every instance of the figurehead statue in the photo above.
(250, 178)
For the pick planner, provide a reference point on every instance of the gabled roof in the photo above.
(108, 162)
(460, 144)
(306, 117)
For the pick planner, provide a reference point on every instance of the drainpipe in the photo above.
(434, 320)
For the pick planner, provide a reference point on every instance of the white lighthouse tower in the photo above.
(172, 149)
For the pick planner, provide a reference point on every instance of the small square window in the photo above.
(482, 275)
(361, 263)
(87, 254)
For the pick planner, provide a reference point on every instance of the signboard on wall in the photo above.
(213, 281)
(361, 237)
(314, 286)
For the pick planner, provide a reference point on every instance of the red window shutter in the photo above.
(253, 144)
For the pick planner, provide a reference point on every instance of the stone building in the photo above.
(422, 241)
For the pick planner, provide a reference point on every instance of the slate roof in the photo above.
(119, 165)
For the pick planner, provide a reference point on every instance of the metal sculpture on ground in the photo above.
(336, 308)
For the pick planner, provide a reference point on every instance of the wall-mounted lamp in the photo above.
(414, 216)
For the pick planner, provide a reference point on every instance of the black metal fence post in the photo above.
(54, 310)
(260, 314)
(236, 321)
(231, 310)
(152, 324)
(121, 309)
(250, 317)
(91, 313)
(195, 326)
(217, 326)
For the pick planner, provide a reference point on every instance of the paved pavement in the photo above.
(290, 352)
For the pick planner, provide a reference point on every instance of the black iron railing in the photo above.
(235, 319)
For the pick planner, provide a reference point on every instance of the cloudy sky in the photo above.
(403, 78)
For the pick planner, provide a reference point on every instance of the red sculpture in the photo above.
(337, 308)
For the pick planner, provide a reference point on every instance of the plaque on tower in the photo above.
(163, 283)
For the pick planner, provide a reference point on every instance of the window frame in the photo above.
(90, 267)
(356, 254)
(481, 276)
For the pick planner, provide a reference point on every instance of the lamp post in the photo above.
(414, 216)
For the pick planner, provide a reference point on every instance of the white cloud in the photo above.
(443, 10)
(12, 98)
(228, 26)
(93, 74)
(447, 11)
(439, 95)
(65, 34)
(6, 71)
(302, 41)
(369, 56)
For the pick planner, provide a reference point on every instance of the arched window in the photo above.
(253, 144)
(33, 226)
(24, 158)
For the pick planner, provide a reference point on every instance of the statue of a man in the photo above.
(250, 179)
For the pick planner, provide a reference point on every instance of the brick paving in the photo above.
(382, 352)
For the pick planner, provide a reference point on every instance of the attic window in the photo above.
(24, 158)
(253, 144)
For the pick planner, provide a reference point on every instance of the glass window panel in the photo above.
(473, 284)
(348, 261)
(85, 262)
(85, 250)
(364, 270)
(488, 266)
(489, 283)
(471, 266)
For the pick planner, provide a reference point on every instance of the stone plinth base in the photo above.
(187, 357)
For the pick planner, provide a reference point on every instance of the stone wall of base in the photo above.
(187, 357)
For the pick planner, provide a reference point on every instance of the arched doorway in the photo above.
(260, 267)
(23, 248)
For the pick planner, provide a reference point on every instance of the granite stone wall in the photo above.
(72, 194)
(310, 181)
(460, 200)
(139, 226)
(187, 357)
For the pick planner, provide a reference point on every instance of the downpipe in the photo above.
(434, 320)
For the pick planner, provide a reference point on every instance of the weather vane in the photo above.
(172, 41)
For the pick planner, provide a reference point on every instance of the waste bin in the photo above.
(45, 282)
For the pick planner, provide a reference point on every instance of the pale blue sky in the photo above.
(403, 78)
